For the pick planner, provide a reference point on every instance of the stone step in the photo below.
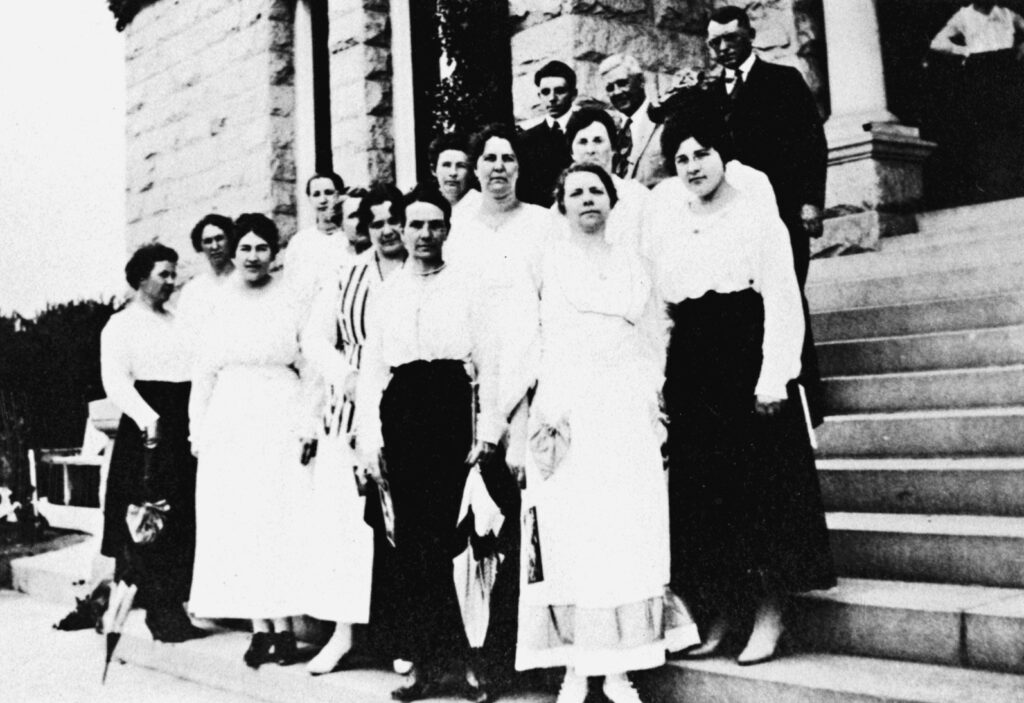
(971, 626)
(973, 486)
(964, 549)
(917, 318)
(960, 221)
(827, 678)
(992, 346)
(62, 575)
(924, 433)
(896, 289)
(925, 390)
(797, 678)
(922, 253)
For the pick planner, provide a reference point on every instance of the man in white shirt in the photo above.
(979, 28)
(638, 142)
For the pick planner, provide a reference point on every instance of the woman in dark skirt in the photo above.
(146, 374)
(745, 509)
(420, 431)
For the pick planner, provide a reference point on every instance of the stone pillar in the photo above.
(875, 163)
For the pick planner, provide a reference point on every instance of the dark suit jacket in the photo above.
(544, 156)
(776, 129)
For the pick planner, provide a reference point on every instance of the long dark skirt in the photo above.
(745, 505)
(163, 569)
(427, 427)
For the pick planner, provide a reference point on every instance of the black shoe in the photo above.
(422, 686)
(259, 650)
(171, 624)
(286, 650)
(479, 693)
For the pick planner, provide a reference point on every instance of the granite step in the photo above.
(993, 386)
(958, 549)
(971, 486)
(921, 253)
(60, 576)
(959, 222)
(917, 318)
(899, 289)
(796, 678)
(989, 431)
(993, 346)
(971, 626)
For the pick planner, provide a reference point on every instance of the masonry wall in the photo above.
(361, 106)
(210, 100)
(663, 35)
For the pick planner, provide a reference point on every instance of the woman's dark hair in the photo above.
(221, 222)
(141, 263)
(255, 223)
(606, 179)
(428, 193)
(586, 116)
(454, 141)
(706, 126)
(334, 178)
(377, 194)
(496, 129)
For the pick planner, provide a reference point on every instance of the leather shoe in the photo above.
(259, 650)
(286, 650)
(422, 686)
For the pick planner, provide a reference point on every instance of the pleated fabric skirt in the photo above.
(744, 501)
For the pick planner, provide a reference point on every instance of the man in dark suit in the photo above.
(545, 152)
(776, 128)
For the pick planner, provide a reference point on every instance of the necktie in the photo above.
(556, 129)
(737, 85)
(620, 167)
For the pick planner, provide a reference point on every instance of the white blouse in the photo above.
(139, 344)
(743, 245)
(195, 301)
(312, 259)
(426, 317)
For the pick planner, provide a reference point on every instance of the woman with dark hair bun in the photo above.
(747, 523)
(252, 422)
(145, 367)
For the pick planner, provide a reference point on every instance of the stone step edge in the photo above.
(914, 595)
(946, 525)
(881, 309)
(840, 677)
(917, 374)
(920, 335)
(938, 414)
(939, 259)
(970, 463)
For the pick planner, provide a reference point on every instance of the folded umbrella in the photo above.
(121, 597)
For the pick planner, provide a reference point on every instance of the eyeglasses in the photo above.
(732, 39)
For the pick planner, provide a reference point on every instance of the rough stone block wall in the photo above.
(663, 35)
(210, 99)
(361, 104)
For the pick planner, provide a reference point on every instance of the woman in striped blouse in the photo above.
(333, 344)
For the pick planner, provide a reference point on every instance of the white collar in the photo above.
(562, 121)
(744, 67)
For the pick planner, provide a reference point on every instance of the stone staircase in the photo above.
(922, 469)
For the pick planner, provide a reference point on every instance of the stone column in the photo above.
(875, 163)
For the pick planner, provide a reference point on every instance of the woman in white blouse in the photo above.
(145, 367)
(590, 134)
(419, 430)
(333, 343)
(746, 515)
(252, 423)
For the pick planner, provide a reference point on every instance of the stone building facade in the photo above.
(226, 112)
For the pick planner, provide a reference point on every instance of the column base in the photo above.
(875, 181)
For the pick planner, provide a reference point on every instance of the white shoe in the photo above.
(619, 689)
(328, 658)
(573, 690)
(401, 666)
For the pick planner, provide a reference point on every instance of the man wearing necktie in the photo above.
(545, 153)
(776, 128)
(638, 142)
